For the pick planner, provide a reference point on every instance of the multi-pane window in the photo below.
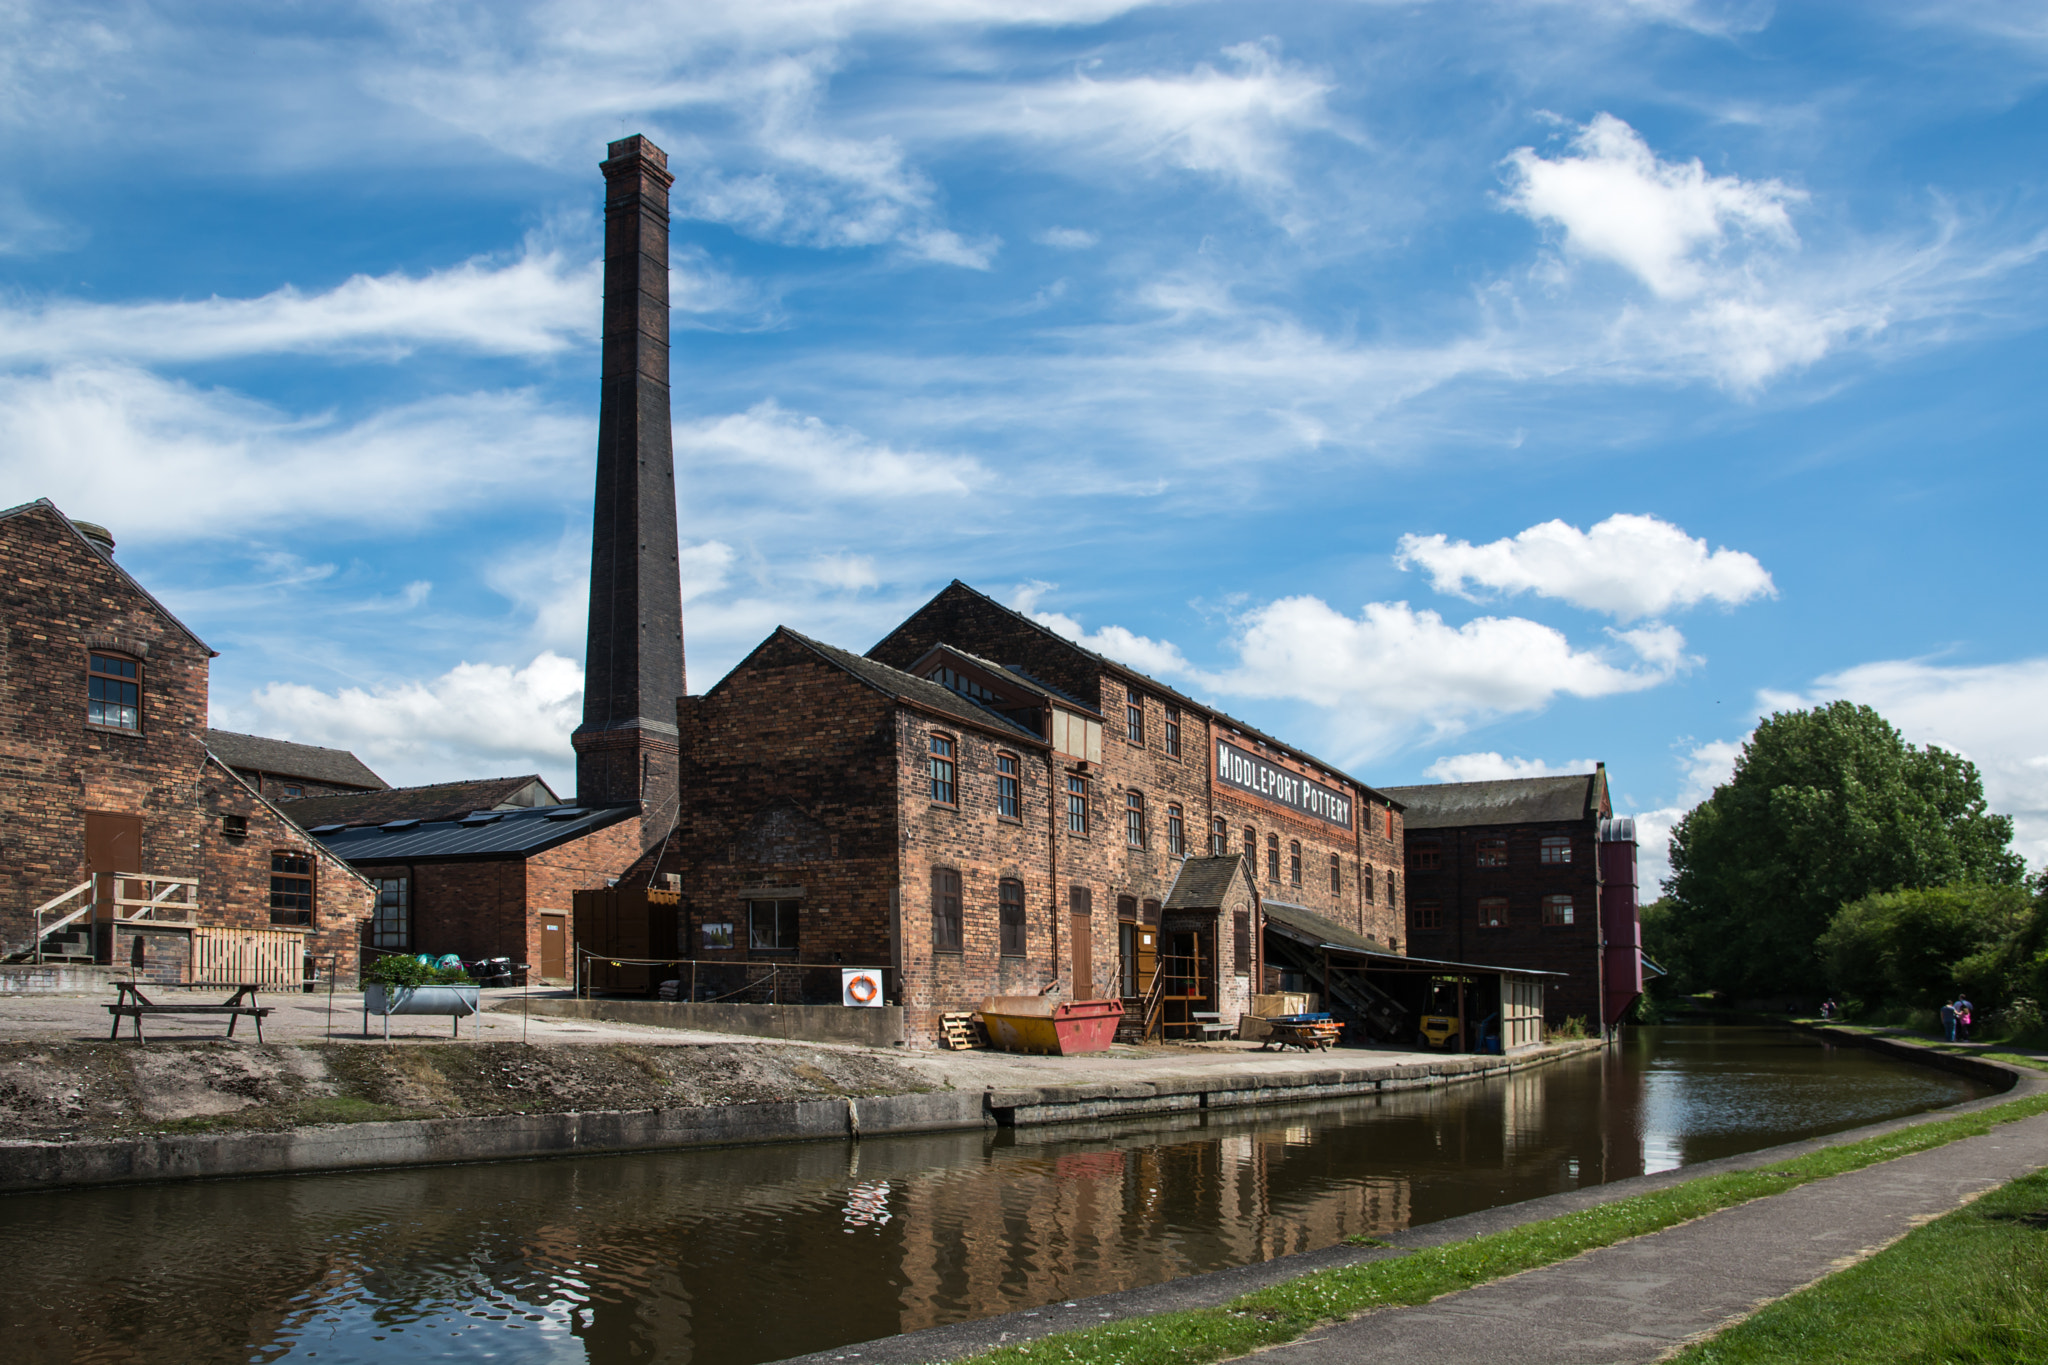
(1008, 802)
(1251, 849)
(1134, 819)
(1493, 912)
(1556, 849)
(1010, 898)
(290, 791)
(1426, 915)
(1559, 910)
(1365, 882)
(771, 925)
(1273, 857)
(1176, 832)
(1294, 861)
(1493, 853)
(1391, 898)
(1336, 873)
(1134, 716)
(1425, 857)
(291, 887)
(1077, 804)
(391, 926)
(942, 770)
(1219, 837)
(113, 692)
(945, 910)
(1173, 732)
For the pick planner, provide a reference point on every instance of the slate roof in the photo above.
(1305, 925)
(8, 514)
(1016, 675)
(1153, 684)
(255, 753)
(496, 835)
(1202, 883)
(1510, 801)
(440, 801)
(894, 682)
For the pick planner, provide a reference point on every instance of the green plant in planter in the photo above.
(403, 969)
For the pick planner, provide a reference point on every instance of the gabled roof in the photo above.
(1152, 684)
(44, 504)
(1204, 883)
(903, 687)
(1509, 801)
(271, 806)
(517, 833)
(257, 753)
(1016, 676)
(440, 801)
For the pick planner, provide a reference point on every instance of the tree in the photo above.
(1826, 806)
(1919, 948)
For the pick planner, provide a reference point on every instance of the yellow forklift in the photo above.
(1442, 1025)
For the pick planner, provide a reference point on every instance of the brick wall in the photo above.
(1459, 884)
(235, 873)
(59, 600)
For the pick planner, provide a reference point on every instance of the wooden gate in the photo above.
(247, 957)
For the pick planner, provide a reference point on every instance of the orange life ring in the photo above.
(862, 989)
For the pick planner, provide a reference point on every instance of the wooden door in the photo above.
(113, 843)
(1148, 957)
(1084, 954)
(554, 948)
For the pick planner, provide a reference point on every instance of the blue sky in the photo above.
(1458, 389)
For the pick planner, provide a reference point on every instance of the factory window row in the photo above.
(949, 917)
(1134, 723)
(943, 773)
(1496, 912)
(1554, 850)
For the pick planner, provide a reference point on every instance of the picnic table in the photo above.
(133, 1004)
(1309, 1032)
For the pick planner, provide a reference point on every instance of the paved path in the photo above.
(1639, 1300)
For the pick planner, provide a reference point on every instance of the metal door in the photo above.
(554, 948)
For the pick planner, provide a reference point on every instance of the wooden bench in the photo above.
(133, 1004)
(1210, 1022)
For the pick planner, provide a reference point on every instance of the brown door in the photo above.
(113, 843)
(1148, 958)
(554, 948)
(1078, 918)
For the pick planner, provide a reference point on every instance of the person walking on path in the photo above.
(1948, 1020)
(1962, 1034)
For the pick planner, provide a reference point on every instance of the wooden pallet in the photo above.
(961, 1032)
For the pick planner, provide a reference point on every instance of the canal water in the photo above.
(737, 1256)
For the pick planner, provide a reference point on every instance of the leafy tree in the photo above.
(1910, 947)
(1826, 806)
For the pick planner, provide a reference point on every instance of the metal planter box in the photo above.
(458, 1002)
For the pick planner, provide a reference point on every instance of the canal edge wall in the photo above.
(1999, 1075)
(31, 1166)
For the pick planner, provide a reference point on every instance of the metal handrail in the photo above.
(52, 904)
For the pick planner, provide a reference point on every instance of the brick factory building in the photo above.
(1532, 872)
(281, 770)
(105, 769)
(1055, 820)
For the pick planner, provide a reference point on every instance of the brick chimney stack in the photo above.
(626, 748)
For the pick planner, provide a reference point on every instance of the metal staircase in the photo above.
(1367, 1008)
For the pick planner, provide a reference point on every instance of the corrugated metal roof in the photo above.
(290, 759)
(1510, 801)
(1305, 925)
(519, 833)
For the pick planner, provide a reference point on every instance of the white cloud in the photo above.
(1704, 767)
(1628, 566)
(1235, 124)
(1391, 670)
(1995, 715)
(552, 584)
(156, 460)
(1066, 239)
(476, 720)
(829, 461)
(1493, 767)
(1663, 221)
(1158, 657)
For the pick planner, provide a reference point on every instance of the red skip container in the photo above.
(1035, 1024)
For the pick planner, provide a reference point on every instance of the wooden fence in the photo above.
(248, 957)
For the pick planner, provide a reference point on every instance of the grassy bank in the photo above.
(1286, 1311)
(1965, 1289)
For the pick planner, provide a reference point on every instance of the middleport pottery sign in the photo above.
(1249, 773)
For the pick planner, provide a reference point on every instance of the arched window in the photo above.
(945, 910)
(1273, 857)
(1336, 873)
(1009, 801)
(1010, 896)
(1176, 832)
(1134, 819)
(1294, 861)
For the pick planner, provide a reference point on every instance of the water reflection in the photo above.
(727, 1257)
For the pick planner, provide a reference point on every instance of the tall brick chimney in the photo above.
(626, 748)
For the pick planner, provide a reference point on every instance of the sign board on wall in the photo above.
(860, 987)
(1249, 773)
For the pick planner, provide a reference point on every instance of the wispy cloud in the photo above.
(1493, 767)
(830, 461)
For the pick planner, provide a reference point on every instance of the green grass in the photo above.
(1286, 1311)
(1967, 1289)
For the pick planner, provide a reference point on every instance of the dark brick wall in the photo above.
(964, 618)
(58, 600)
(1460, 883)
(271, 785)
(235, 873)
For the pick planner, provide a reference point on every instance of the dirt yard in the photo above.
(81, 1090)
